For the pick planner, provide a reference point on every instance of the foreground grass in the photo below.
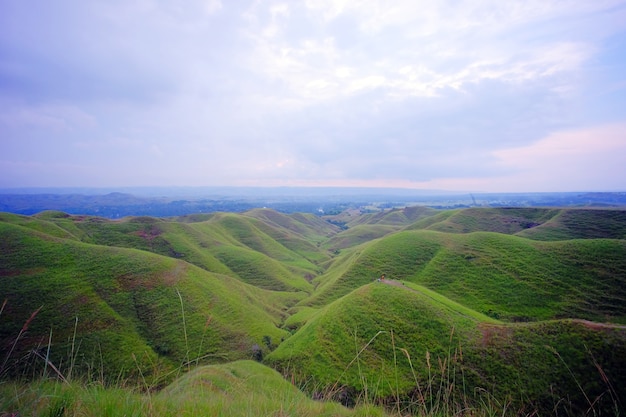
(243, 388)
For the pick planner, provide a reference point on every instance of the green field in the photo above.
(510, 311)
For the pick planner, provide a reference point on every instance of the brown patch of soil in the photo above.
(174, 275)
(492, 332)
(169, 278)
(20, 272)
(148, 234)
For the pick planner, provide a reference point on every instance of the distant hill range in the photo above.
(167, 202)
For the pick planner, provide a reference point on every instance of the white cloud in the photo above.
(52, 116)
(272, 90)
(109, 144)
(571, 160)
(213, 6)
(570, 150)
(437, 46)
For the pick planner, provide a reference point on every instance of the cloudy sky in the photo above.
(464, 95)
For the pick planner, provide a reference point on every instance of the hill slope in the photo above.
(400, 342)
(508, 276)
(534, 223)
(277, 257)
(121, 302)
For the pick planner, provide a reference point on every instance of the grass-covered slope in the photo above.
(242, 246)
(243, 388)
(507, 276)
(398, 217)
(121, 310)
(534, 223)
(366, 227)
(357, 235)
(580, 224)
(501, 220)
(403, 343)
(329, 348)
(47, 223)
(493, 306)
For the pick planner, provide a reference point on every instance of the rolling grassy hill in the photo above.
(534, 223)
(361, 228)
(521, 307)
(401, 342)
(118, 302)
(510, 277)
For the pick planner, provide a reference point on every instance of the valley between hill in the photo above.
(521, 309)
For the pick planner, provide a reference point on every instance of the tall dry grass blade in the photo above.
(51, 365)
(420, 394)
(395, 366)
(558, 355)
(334, 386)
(614, 396)
(19, 336)
(45, 368)
(206, 327)
(430, 381)
(358, 365)
(72, 356)
(145, 384)
(182, 307)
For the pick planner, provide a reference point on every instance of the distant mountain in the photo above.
(178, 201)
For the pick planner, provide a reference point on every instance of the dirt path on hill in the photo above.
(397, 284)
(596, 325)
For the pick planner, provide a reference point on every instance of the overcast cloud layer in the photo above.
(465, 95)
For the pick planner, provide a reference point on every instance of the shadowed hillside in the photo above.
(534, 223)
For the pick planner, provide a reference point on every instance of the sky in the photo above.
(458, 95)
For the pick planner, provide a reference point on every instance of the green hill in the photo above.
(329, 347)
(501, 220)
(398, 217)
(235, 245)
(242, 388)
(357, 235)
(366, 227)
(398, 342)
(116, 302)
(534, 223)
(511, 308)
(581, 224)
(510, 277)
